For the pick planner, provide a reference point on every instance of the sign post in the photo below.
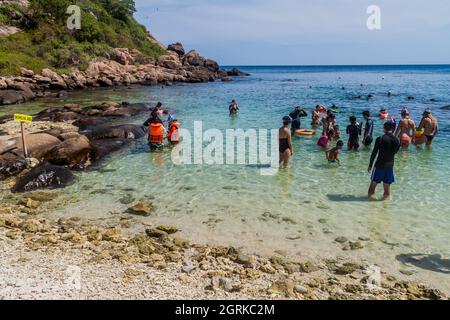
(23, 118)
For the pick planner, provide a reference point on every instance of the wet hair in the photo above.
(389, 126)
(287, 120)
(340, 143)
(330, 132)
(366, 113)
(405, 112)
(382, 110)
(427, 112)
(158, 105)
(352, 119)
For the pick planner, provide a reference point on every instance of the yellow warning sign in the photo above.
(22, 118)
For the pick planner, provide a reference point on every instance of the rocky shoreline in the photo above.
(123, 258)
(64, 139)
(123, 67)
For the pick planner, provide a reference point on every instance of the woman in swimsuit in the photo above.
(430, 126)
(406, 130)
(285, 145)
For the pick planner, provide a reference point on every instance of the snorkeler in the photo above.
(368, 129)
(429, 125)
(285, 142)
(333, 154)
(386, 147)
(354, 131)
(406, 130)
(233, 107)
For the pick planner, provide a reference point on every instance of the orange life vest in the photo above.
(156, 134)
(173, 134)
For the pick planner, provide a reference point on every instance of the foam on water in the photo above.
(236, 205)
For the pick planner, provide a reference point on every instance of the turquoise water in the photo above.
(236, 205)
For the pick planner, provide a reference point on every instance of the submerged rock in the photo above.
(143, 208)
(168, 229)
(45, 176)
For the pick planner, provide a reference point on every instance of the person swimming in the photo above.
(406, 130)
(383, 114)
(233, 107)
(354, 131)
(429, 125)
(333, 154)
(285, 142)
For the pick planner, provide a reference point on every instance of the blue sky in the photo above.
(303, 32)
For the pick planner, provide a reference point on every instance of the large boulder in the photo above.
(74, 151)
(38, 144)
(11, 97)
(169, 61)
(212, 65)
(11, 165)
(193, 58)
(177, 48)
(57, 82)
(45, 176)
(127, 131)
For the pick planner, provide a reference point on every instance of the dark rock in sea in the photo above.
(10, 165)
(446, 107)
(14, 97)
(127, 131)
(45, 176)
(237, 73)
(103, 147)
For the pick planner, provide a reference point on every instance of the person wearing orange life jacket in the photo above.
(156, 134)
(173, 135)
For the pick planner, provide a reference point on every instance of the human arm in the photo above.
(374, 154)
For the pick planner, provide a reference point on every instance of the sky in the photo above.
(303, 32)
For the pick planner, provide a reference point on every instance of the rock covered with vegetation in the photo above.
(39, 54)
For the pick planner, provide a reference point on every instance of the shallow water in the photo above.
(236, 205)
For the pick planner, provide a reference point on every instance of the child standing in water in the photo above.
(333, 154)
(354, 131)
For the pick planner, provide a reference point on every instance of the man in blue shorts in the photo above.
(386, 147)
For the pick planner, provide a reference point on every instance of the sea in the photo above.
(301, 210)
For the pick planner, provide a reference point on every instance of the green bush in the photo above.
(46, 41)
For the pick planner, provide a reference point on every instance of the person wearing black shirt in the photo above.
(368, 129)
(296, 121)
(354, 131)
(386, 147)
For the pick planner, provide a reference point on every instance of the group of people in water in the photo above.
(386, 146)
(381, 165)
(157, 133)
